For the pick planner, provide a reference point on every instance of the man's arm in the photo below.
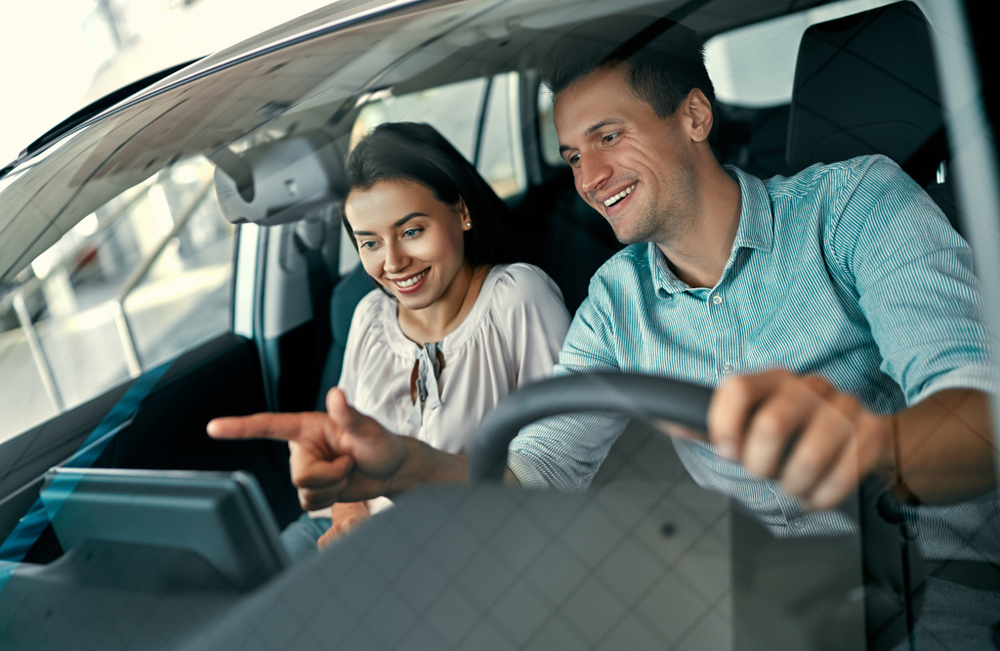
(344, 455)
(819, 443)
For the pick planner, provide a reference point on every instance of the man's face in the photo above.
(633, 167)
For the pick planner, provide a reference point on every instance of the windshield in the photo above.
(195, 248)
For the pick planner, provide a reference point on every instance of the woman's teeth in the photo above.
(413, 280)
(610, 201)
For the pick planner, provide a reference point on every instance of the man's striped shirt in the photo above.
(848, 271)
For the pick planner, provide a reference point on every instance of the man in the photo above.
(728, 282)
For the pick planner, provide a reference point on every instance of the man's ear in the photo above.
(699, 113)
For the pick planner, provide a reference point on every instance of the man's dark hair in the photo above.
(665, 60)
(417, 152)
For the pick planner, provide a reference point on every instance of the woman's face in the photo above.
(409, 242)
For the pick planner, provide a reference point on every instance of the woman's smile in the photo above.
(411, 284)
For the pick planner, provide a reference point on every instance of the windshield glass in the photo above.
(780, 248)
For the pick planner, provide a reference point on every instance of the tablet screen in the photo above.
(222, 517)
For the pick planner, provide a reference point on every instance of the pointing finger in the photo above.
(282, 427)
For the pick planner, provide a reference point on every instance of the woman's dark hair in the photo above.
(417, 152)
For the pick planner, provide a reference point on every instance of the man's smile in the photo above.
(612, 200)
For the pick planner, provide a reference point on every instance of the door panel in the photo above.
(167, 431)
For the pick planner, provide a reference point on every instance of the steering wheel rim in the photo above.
(622, 393)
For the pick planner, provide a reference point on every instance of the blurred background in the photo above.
(59, 55)
(148, 275)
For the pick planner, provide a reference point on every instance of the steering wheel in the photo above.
(623, 393)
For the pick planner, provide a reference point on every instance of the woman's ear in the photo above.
(463, 213)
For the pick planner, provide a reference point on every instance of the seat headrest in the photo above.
(864, 84)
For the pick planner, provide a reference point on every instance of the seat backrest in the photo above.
(557, 231)
(865, 84)
(346, 296)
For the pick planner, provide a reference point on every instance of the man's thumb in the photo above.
(341, 413)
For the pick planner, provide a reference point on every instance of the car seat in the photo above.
(866, 84)
(346, 296)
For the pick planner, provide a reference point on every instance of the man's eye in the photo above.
(610, 137)
(573, 159)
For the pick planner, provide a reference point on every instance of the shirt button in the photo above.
(727, 368)
(798, 523)
(716, 299)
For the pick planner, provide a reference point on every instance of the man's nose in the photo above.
(593, 172)
(395, 257)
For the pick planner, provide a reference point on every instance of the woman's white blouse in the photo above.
(510, 338)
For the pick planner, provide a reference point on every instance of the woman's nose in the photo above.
(395, 258)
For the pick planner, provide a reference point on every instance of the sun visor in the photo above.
(277, 182)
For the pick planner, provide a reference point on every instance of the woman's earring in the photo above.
(468, 225)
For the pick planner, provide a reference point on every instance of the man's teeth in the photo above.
(410, 282)
(610, 201)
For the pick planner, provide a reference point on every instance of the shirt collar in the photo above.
(756, 231)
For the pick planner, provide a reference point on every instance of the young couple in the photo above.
(836, 312)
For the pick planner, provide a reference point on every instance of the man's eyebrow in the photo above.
(600, 125)
(396, 225)
(591, 129)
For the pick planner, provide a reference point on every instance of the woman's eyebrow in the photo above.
(408, 218)
(396, 225)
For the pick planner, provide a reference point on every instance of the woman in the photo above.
(456, 327)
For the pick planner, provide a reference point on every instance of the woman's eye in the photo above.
(368, 244)
(412, 232)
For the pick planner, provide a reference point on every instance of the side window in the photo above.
(500, 157)
(451, 109)
(138, 281)
(547, 129)
(455, 111)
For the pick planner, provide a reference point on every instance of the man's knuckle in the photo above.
(818, 384)
(299, 475)
(810, 460)
(771, 425)
(739, 385)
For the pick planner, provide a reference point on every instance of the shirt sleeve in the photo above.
(914, 281)
(534, 317)
(564, 452)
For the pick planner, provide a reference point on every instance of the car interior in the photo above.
(276, 128)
